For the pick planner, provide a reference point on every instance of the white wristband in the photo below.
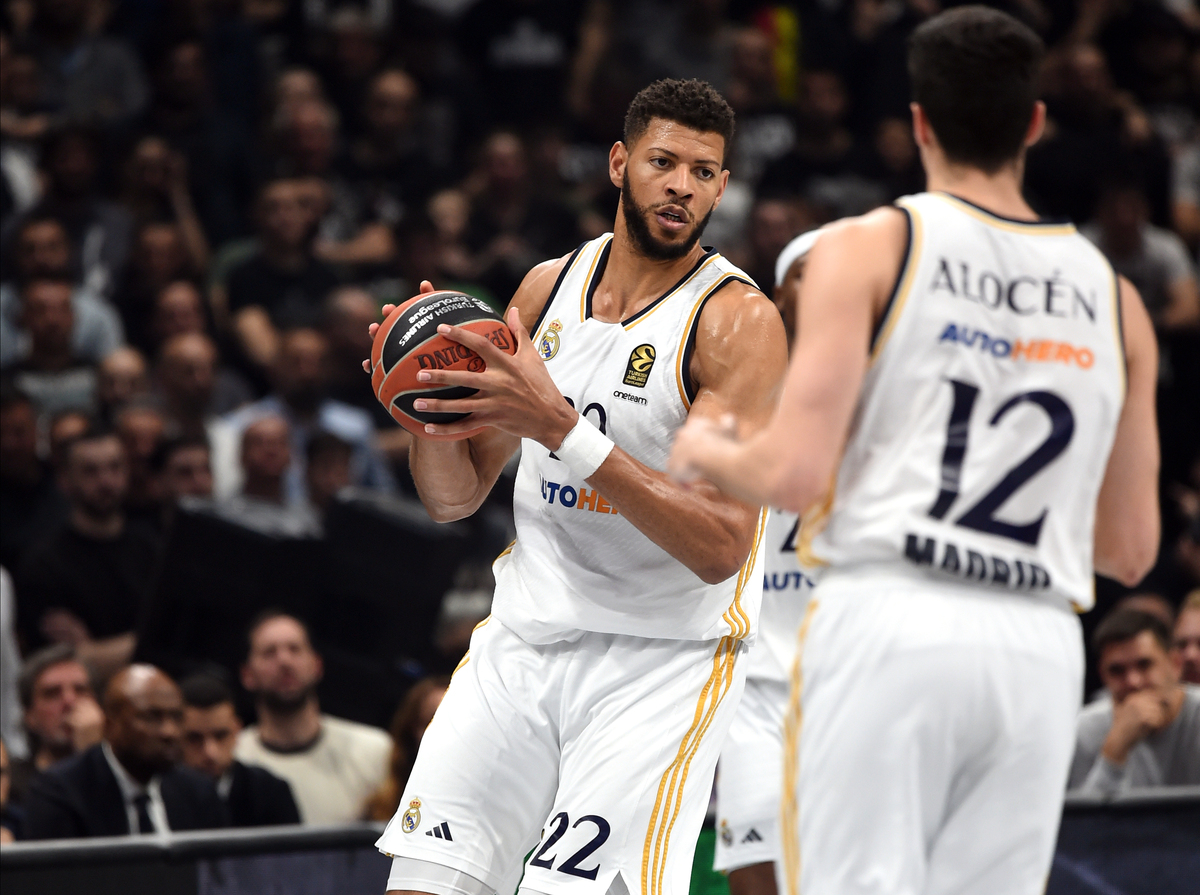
(584, 448)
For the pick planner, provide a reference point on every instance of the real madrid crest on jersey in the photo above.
(412, 817)
(548, 343)
(726, 833)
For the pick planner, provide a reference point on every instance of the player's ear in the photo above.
(1037, 123)
(721, 189)
(618, 158)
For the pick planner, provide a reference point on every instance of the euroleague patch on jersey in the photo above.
(641, 362)
(411, 819)
(1030, 350)
(548, 344)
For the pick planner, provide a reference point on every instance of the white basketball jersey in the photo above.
(577, 564)
(985, 422)
(786, 588)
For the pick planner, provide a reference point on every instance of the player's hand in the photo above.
(514, 394)
(1138, 716)
(425, 288)
(693, 442)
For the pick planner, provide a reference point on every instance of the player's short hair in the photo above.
(203, 691)
(42, 661)
(692, 103)
(974, 71)
(1124, 624)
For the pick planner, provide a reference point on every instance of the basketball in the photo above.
(408, 342)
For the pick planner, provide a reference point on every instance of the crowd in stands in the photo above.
(204, 203)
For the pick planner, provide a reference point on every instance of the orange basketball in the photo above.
(408, 342)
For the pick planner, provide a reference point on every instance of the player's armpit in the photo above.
(737, 366)
(1127, 514)
(453, 478)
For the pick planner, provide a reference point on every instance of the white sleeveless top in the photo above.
(577, 565)
(989, 409)
(786, 589)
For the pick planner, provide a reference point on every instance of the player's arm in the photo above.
(737, 366)
(848, 277)
(453, 478)
(1127, 515)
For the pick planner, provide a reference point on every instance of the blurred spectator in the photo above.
(142, 428)
(61, 716)
(253, 796)
(85, 585)
(52, 374)
(282, 284)
(463, 607)
(266, 455)
(64, 428)
(765, 130)
(133, 782)
(1155, 260)
(1186, 641)
(333, 765)
(178, 309)
(159, 258)
(12, 819)
(407, 730)
(121, 378)
(32, 506)
(449, 214)
(10, 668)
(183, 468)
(687, 39)
(294, 87)
(42, 249)
(100, 231)
(87, 76)
(156, 189)
(22, 123)
(327, 469)
(1146, 735)
(511, 228)
(194, 387)
(300, 377)
(1149, 603)
(1185, 195)
(773, 223)
(356, 47)
(894, 163)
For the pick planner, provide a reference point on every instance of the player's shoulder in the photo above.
(539, 284)
(739, 308)
(886, 224)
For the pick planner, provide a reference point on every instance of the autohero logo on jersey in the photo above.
(1034, 351)
(583, 499)
(641, 362)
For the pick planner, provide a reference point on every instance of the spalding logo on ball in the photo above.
(408, 342)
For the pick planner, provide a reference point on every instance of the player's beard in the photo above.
(647, 243)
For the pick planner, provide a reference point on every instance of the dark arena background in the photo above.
(205, 203)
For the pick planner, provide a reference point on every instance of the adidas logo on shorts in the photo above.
(752, 836)
(441, 831)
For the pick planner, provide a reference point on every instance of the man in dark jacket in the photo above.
(131, 783)
(253, 796)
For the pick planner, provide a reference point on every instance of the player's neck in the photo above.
(631, 280)
(999, 192)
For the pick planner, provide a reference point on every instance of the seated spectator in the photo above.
(333, 765)
(52, 374)
(156, 189)
(12, 818)
(178, 310)
(1187, 639)
(23, 122)
(408, 728)
(142, 428)
(194, 387)
(121, 378)
(132, 783)
(282, 284)
(1146, 734)
(327, 470)
(300, 376)
(64, 428)
(85, 585)
(70, 163)
(43, 249)
(11, 730)
(253, 796)
(159, 258)
(60, 713)
(183, 468)
(263, 503)
(32, 506)
(1155, 260)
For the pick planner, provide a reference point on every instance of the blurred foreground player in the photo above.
(983, 386)
(592, 705)
(749, 773)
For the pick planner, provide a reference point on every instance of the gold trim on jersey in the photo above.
(1119, 334)
(1027, 228)
(669, 799)
(687, 330)
(467, 654)
(735, 616)
(813, 522)
(587, 281)
(904, 285)
(789, 810)
(507, 550)
(660, 302)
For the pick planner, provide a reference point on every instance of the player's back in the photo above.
(989, 408)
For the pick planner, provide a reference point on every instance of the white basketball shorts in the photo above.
(750, 777)
(596, 753)
(927, 753)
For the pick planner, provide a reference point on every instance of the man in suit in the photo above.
(252, 795)
(131, 783)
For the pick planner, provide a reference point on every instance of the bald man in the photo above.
(132, 783)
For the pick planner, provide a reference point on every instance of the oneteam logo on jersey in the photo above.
(641, 362)
(583, 499)
(1036, 351)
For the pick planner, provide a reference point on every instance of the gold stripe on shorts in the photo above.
(789, 832)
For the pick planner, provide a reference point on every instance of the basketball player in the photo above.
(749, 773)
(592, 704)
(981, 384)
